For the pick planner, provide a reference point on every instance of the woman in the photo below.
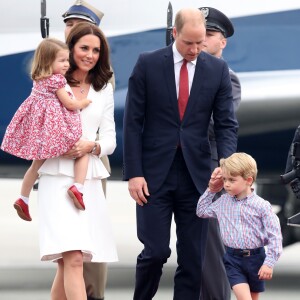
(67, 235)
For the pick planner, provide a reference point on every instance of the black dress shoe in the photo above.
(91, 298)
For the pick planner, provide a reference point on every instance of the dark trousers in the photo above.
(215, 284)
(214, 287)
(95, 276)
(178, 196)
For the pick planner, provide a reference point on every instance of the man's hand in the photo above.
(216, 181)
(138, 190)
(265, 273)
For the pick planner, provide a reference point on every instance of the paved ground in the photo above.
(126, 294)
(23, 276)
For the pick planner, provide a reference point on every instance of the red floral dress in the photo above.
(42, 127)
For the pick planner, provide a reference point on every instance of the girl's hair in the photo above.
(101, 73)
(240, 164)
(44, 57)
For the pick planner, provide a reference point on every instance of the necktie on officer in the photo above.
(183, 94)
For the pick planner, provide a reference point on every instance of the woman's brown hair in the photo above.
(101, 73)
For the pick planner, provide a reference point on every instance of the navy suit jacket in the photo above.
(236, 94)
(152, 127)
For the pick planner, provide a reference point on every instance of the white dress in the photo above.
(62, 227)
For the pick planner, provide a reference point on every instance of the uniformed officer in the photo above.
(293, 164)
(83, 11)
(95, 274)
(217, 21)
(215, 285)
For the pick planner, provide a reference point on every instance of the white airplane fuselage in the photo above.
(263, 52)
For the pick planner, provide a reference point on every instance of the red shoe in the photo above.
(22, 210)
(76, 196)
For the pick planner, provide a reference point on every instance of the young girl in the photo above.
(47, 124)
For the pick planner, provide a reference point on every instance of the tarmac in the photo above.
(24, 276)
(126, 294)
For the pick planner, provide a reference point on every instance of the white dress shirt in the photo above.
(178, 60)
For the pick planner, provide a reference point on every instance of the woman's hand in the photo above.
(79, 149)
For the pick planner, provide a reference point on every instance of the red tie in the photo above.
(183, 94)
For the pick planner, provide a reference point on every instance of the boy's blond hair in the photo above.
(241, 164)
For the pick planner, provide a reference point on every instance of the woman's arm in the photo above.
(105, 144)
(107, 128)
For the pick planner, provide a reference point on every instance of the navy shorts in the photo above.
(243, 269)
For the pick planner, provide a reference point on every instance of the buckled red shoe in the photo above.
(77, 197)
(22, 210)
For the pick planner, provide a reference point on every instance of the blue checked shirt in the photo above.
(248, 223)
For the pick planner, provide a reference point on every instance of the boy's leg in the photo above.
(254, 296)
(242, 291)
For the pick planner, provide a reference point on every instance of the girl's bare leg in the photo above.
(80, 169)
(30, 177)
(76, 190)
(21, 204)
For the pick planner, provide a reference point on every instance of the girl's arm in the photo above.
(69, 103)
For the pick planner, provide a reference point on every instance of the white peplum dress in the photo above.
(62, 227)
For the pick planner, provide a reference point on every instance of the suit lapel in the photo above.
(170, 79)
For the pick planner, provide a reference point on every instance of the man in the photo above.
(218, 29)
(95, 274)
(293, 178)
(167, 157)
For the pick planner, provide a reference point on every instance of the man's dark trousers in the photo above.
(179, 196)
(215, 284)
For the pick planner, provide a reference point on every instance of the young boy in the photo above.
(247, 224)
